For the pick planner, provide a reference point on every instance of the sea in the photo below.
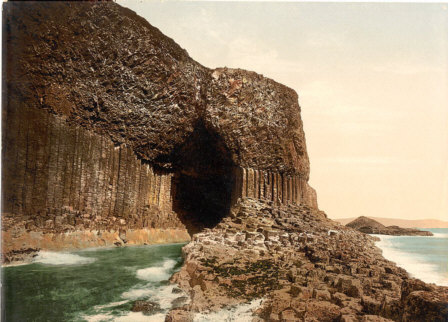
(423, 257)
(96, 285)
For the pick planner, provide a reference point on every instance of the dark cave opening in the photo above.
(203, 181)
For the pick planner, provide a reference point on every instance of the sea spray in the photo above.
(56, 258)
(239, 313)
(128, 317)
(423, 257)
(113, 304)
(91, 285)
(140, 317)
(163, 295)
(158, 273)
(440, 235)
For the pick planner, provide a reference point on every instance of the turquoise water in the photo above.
(423, 257)
(91, 285)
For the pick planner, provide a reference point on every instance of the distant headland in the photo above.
(371, 226)
(404, 223)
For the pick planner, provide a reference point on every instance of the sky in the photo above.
(372, 80)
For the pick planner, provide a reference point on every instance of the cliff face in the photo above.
(102, 67)
(110, 125)
(113, 135)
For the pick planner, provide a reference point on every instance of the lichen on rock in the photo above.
(113, 135)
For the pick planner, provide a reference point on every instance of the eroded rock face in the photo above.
(105, 68)
(305, 266)
(110, 125)
(112, 134)
(259, 119)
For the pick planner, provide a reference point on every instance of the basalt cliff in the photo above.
(112, 134)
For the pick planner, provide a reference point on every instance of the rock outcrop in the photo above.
(370, 226)
(109, 126)
(113, 135)
(305, 267)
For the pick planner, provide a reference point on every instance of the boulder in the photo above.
(146, 307)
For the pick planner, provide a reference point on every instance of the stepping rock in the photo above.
(178, 302)
(146, 307)
(176, 290)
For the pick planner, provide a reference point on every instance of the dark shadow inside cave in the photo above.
(203, 180)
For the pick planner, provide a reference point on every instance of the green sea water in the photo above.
(91, 285)
(423, 257)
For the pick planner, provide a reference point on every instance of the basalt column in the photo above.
(109, 126)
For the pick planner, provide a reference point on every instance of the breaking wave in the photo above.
(56, 258)
(158, 273)
(414, 263)
(163, 295)
(113, 304)
(440, 235)
(129, 317)
(240, 313)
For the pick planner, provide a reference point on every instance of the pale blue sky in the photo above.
(372, 80)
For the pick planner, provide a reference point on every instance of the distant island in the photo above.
(371, 226)
(405, 223)
(114, 136)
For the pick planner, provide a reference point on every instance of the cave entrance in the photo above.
(203, 180)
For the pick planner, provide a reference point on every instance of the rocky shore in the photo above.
(304, 266)
(370, 226)
(14, 252)
(113, 135)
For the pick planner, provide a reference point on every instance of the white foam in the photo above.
(128, 317)
(105, 306)
(240, 313)
(163, 295)
(157, 274)
(137, 293)
(439, 235)
(98, 248)
(97, 318)
(412, 263)
(19, 263)
(56, 258)
(140, 317)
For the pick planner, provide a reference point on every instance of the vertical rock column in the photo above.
(273, 186)
(52, 169)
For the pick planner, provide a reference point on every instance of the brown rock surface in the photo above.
(103, 67)
(110, 125)
(146, 307)
(305, 267)
(113, 134)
